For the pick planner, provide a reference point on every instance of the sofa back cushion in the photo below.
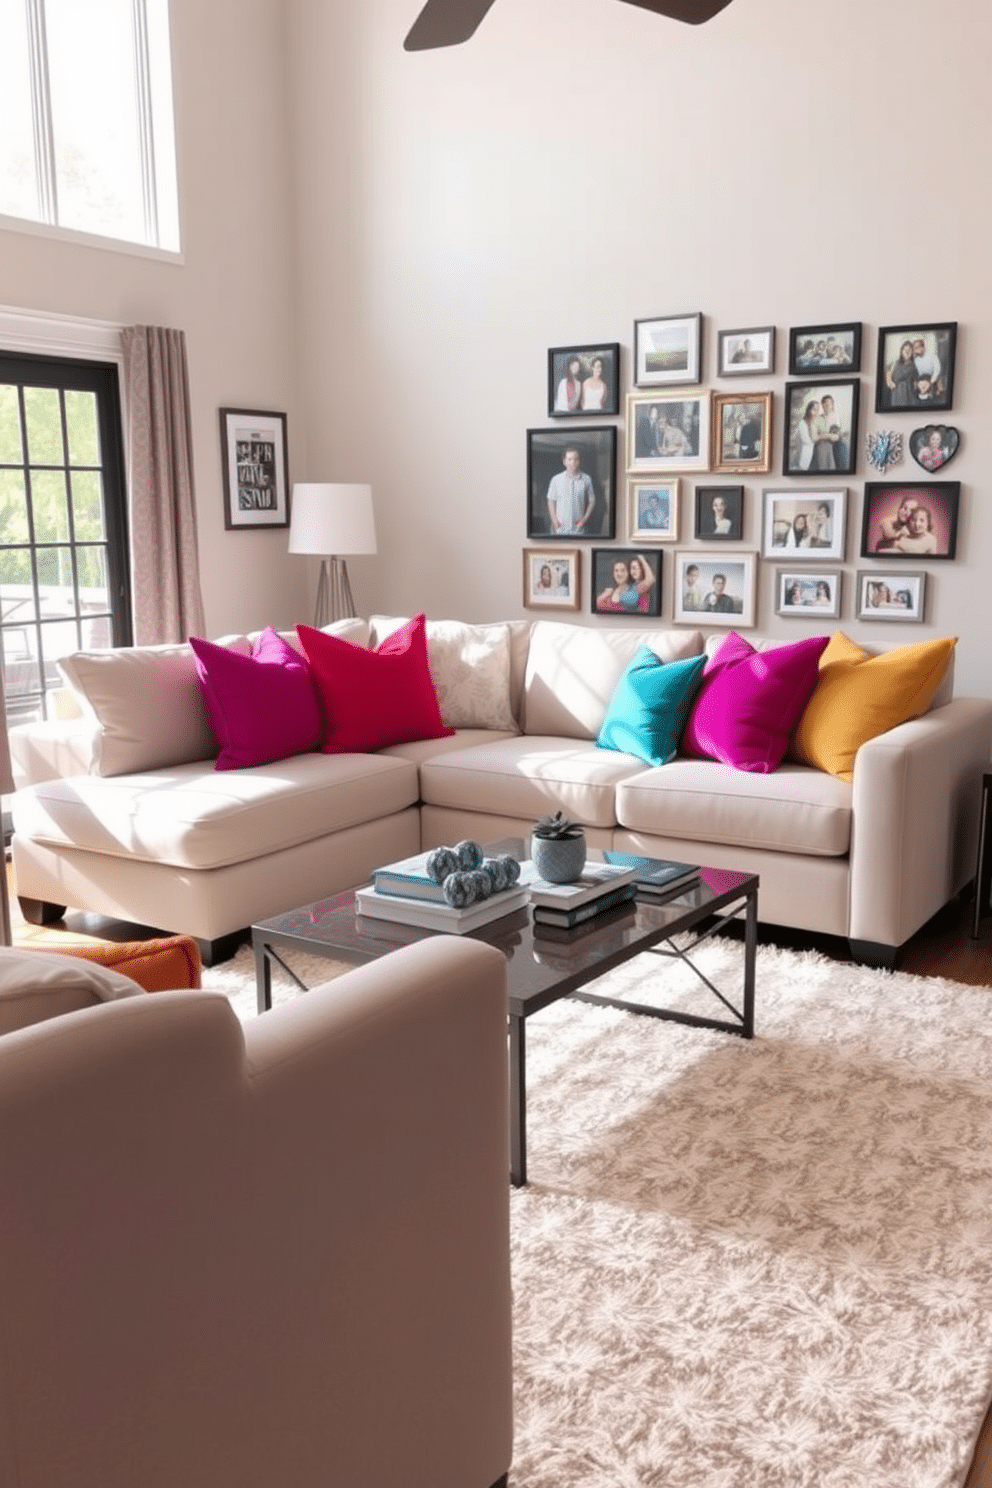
(470, 665)
(573, 671)
(148, 703)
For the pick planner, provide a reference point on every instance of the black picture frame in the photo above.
(637, 592)
(825, 350)
(811, 446)
(255, 467)
(560, 390)
(725, 524)
(888, 529)
(906, 393)
(547, 450)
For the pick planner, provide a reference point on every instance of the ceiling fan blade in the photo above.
(444, 23)
(693, 12)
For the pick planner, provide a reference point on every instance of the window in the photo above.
(86, 126)
(63, 531)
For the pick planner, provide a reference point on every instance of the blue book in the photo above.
(656, 875)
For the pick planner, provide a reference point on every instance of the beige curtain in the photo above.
(165, 570)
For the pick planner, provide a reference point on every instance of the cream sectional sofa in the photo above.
(122, 812)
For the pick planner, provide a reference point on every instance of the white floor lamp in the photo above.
(329, 520)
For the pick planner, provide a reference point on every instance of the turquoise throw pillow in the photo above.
(650, 706)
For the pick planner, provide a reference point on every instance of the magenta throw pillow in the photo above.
(263, 707)
(750, 701)
(374, 698)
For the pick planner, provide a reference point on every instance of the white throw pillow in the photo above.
(148, 702)
(35, 987)
(470, 666)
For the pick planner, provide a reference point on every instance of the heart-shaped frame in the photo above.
(934, 446)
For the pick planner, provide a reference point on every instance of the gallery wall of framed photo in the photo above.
(813, 491)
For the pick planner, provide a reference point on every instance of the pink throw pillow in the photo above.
(263, 707)
(750, 701)
(374, 698)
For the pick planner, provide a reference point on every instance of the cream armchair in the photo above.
(237, 1257)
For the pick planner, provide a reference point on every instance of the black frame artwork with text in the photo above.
(822, 350)
(920, 378)
(890, 528)
(620, 588)
(574, 388)
(255, 465)
(824, 442)
(548, 458)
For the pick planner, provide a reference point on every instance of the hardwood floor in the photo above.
(943, 947)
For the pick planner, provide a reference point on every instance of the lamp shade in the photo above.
(330, 519)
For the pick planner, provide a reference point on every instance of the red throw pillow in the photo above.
(374, 698)
(263, 706)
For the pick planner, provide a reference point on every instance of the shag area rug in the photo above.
(740, 1265)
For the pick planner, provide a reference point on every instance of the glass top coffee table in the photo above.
(543, 963)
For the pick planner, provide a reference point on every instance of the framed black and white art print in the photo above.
(255, 467)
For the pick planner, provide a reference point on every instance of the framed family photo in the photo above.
(667, 349)
(819, 349)
(800, 593)
(717, 587)
(745, 353)
(653, 509)
(804, 527)
(255, 465)
(742, 433)
(915, 367)
(933, 445)
(910, 521)
(625, 582)
(719, 513)
(821, 428)
(551, 578)
(888, 596)
(571, 478)
(670, 433)
(583, 380)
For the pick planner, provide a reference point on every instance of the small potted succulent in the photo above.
(558, 848)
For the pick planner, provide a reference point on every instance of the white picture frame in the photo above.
(895, 595)
(653, 509)
(668, 431)
(808, 594)
(701, 599)
(822, 534)
(746, 353)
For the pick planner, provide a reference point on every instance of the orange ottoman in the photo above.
(163, 965)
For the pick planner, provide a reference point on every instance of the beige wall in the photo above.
(581, 163)
(233, 294)
(386, 244)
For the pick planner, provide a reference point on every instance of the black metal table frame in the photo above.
(983, 871)
(740, 1023)
(702, 922)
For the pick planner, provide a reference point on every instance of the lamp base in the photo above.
(334, 601)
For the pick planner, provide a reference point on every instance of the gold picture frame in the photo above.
(741, 430)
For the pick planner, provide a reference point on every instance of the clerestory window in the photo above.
(87, 138)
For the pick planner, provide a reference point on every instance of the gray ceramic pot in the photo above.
(558, 859)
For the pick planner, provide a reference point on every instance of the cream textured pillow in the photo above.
(470, 666)
(148, 702)
(35, 987)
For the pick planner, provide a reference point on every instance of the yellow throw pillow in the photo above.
(859, 696)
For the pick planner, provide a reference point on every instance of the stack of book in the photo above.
(601, 886)
(405, 893)
(660, 877)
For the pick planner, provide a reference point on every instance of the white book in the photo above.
(596, 879)
(427, 916)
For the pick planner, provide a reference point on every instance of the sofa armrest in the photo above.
(279, 1252)
(52, 750)
(916, 798)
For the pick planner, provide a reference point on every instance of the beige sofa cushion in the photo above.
(794, 809)
(470, 668)
(35, 987)
(193, 816)
(526, 777)
(573, 670)
(148, 703)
